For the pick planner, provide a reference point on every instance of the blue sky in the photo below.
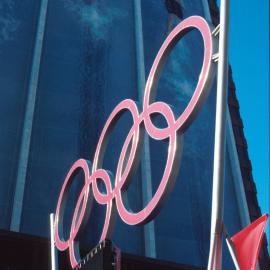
(249, 57)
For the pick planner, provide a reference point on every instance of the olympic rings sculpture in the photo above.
(129, 157)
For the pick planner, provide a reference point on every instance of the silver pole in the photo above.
(54, 257)
(149, 229)
(214, 262)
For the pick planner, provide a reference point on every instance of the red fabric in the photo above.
(247, 243)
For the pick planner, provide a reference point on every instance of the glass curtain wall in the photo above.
(88, 65)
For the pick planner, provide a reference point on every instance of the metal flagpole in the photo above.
(54, 258)
(214, 261)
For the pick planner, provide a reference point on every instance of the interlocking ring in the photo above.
(130, 153)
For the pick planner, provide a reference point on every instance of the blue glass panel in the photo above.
(17, 32)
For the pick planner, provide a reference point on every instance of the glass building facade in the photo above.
(64, 66)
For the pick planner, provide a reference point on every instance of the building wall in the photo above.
(87, 66)
(16, 48)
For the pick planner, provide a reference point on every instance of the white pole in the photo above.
(232, 251)
(214, 262)
(54, 258)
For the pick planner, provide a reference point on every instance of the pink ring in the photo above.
(202, 89)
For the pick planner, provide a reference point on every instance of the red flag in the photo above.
(247, 243)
